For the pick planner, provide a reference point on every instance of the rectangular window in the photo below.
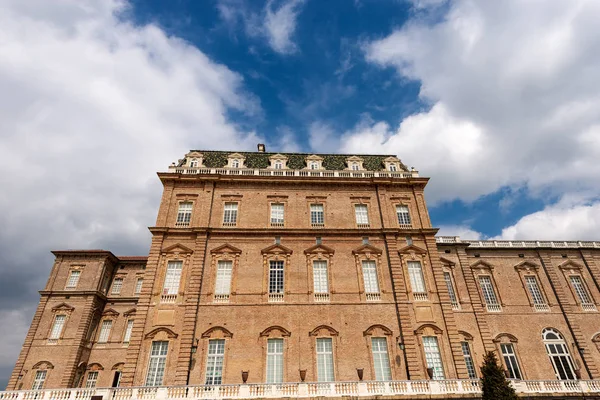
(214, 362)
(432, 356)
(117, 285)
(38, 381)
(381, 361)
(451, 291)
(223, 283)
(184, 214)
(510, 360)
(73, 279)
(320, 277)
(275, 277)
(325, 360)
(468, 360)
(317, 216)
(370, 277)
(92, 378)
(403, 215)
(156, 365)
(128, 331)
(534, 290)
(362, 215)
(230, 214)
(276, 214)
(138, 285)
(415, 272)
(105, 331)
(172, 278)
(274, 360)
(489, 295)
(57, 327)
(580, 289)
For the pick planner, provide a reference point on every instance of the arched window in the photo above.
(559, 354)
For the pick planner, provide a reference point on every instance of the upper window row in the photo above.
(280, 161)
(277, 215)
(117, 283)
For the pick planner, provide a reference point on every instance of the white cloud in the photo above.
(514, 88)
(464, 231)
(276, 22)
(90, 107)
(567, 220)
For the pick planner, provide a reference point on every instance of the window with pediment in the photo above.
(224, 263)
(73, 278)
(379, 340)
(276, 264)
(274, 340)
(60, 316)
(528, 272)
(194, 159)
(449, 280)
(574, 274)
(216, 343)
(42, 370)
(506, 345)
(414, 261)
(392, 164)
(324, 345)
(236, 160)
(319, 259)
(368, 266)
(278, 161)
(431, 340)
(488, 290)
(175, 258)
(314, 162)
(354, 163)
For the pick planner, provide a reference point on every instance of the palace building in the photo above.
(305, 275)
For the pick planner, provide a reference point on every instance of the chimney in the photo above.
(261, 147)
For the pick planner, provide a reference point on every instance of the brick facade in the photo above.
(247, 317)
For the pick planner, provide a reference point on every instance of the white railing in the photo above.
(276, 224)
(541, 307)
(363, 226)
(588, 307)
(276, 297)
(221, 298)
(168, 298)
(420, 296)
(416, 389)
(405, 226)
(517, 243)
(321, 297)
(181, 224)
(373, 296)
(317, 224)
(455, 305)
(229, 223)
(293, 172)
(493, 307)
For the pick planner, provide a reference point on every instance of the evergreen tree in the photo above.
(494, 384)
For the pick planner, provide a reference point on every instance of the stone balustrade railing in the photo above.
(517, 243)
(293, 172)
(416, 389)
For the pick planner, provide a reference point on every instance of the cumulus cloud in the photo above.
(567, 220)
(276, 22)
(91, 105)
(513, 88)
(464, 231)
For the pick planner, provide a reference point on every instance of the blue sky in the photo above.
(497, 102)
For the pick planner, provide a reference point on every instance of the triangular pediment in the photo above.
(411, 248)
(319, 248)
(110, 312)
(570, 264)
(236, 155)
(276, 249)
(355, 158)
(226, 248)
(63, 307)
(367, 249)
(177, 248)
(445, 261)
(314, 157)
(527, 265)
(278, 157)
(391, 159)
(482, 264)
(129, 312)
(194, 154)
(169, 333)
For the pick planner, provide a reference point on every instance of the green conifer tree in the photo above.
(494, 384)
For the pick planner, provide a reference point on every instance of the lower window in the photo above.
(157, 363)
(214, 362)
(432, 356)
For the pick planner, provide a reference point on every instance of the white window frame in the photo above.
(509, 354)
(73, 279)
(275, 361)
(157, 363)
(489, 293)
(276, 280)
(321, 280)
(355, 166)
(223, 280)
(117, 286)
(128, 330)
(392, 167)
(138, 285)
(58, 325)
(559, 355)
(317, 214)
(535, 292)
(361, 214)
(172, 280)
(451, 291)
(105, 330)
(403, 215)
(278, 164)
(417, 280)
(230, 213)
(277, 214)
(370, 279)
(469, 362)
(215, 362)
(184, 213)
(92, 379)
(39, 379)
(325, 367)
(381, 359)
(433, 356)
(582, 292)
